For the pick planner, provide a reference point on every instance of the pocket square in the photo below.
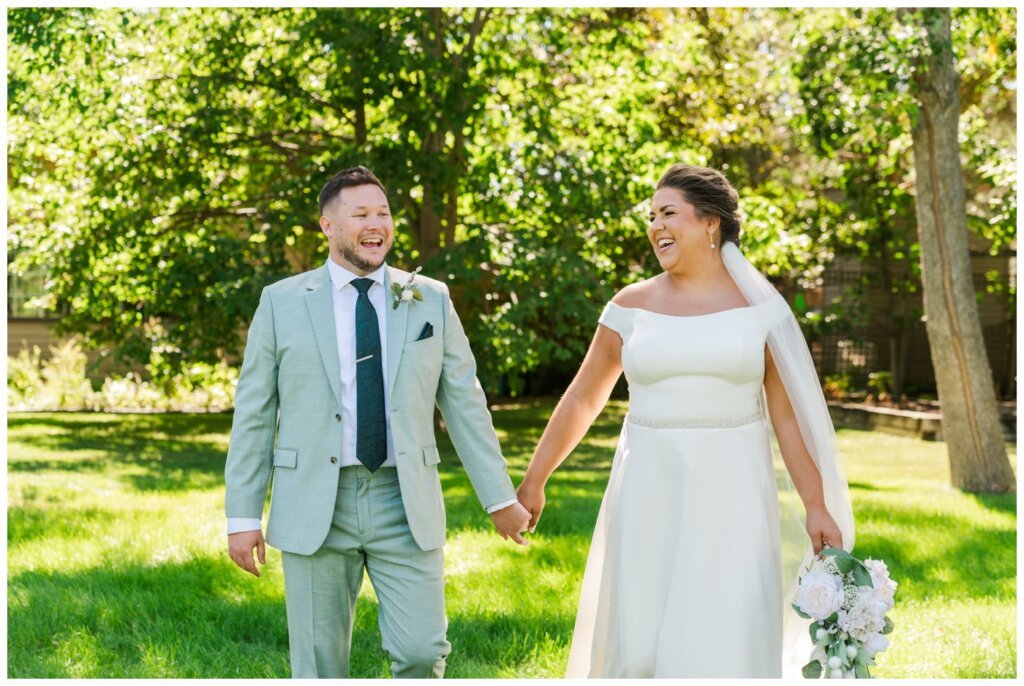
(427, 332)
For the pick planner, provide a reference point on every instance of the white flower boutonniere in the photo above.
(404, 294)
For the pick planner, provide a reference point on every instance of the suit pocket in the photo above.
(426, 332)
(285, 458)
(431, 456)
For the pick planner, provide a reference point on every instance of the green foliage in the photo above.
(164, 163)
(857, 86)
(812, 670)
(880, 383)
(60, 383)
(57, 383)
(211, 131)
(24, 376)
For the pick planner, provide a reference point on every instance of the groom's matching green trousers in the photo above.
(369, 531)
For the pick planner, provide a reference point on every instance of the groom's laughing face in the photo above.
(359, 228)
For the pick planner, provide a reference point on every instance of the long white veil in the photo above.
(793, 361)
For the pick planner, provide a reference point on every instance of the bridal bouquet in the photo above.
(848, 600)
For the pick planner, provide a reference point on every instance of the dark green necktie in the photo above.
(371, 430)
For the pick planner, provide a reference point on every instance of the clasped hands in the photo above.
(512, 521)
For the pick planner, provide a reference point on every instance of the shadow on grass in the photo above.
(1002, 502)
(203, 618)
(184, 619)
(157, 447)
(940, 554)
(523, 423)
(862, 486)
(571, 507)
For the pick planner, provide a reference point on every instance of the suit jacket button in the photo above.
(337, 417)
(334, 460)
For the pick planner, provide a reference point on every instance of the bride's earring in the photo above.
(711, 236)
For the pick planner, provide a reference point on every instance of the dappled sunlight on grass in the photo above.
(117, 563)
(148, 452)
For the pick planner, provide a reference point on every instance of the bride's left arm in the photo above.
(820, 526)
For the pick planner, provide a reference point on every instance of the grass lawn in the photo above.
(117, 563)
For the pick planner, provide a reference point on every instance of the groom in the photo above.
(343, 367)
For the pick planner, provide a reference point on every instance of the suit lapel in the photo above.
(320, 305)
(397, 319)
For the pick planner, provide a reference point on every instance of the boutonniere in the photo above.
(404, 294)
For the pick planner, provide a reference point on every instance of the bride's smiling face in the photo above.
(675, 231)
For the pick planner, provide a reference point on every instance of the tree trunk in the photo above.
(970, 421)
(429, 229)
(361, 122)
(1010, 384)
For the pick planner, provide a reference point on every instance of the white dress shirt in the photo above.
(344, 295)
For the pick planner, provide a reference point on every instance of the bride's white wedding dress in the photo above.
(684, 577)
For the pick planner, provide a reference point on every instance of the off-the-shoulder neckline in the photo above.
(695, 316)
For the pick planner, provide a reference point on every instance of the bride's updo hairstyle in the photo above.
(710, 193)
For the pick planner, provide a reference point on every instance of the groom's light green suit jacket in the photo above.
(287, 426)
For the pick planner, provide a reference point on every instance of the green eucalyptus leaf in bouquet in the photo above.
(861, 576)
(812, 670)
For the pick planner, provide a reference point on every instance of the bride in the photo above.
(692, 562)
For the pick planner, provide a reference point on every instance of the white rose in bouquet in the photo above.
(820, 594)
(866, 617)
(875, 644)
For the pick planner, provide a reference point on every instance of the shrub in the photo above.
(836, 386)
(24, 378)
(59, 383)
(64, 379)
(129, 392)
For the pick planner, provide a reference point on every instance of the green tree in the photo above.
(856, 87)
(970, 421)
(164, 163)
(210, 131)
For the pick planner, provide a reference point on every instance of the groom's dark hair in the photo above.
(347, 178)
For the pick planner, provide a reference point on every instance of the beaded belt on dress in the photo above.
(723, 423)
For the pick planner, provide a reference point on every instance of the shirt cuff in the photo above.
(237, 525)
(501, 506)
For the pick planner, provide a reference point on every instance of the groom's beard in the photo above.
(351, 254)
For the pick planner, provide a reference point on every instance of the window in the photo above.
(25, 293)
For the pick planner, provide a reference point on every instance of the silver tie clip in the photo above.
(364, 359)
